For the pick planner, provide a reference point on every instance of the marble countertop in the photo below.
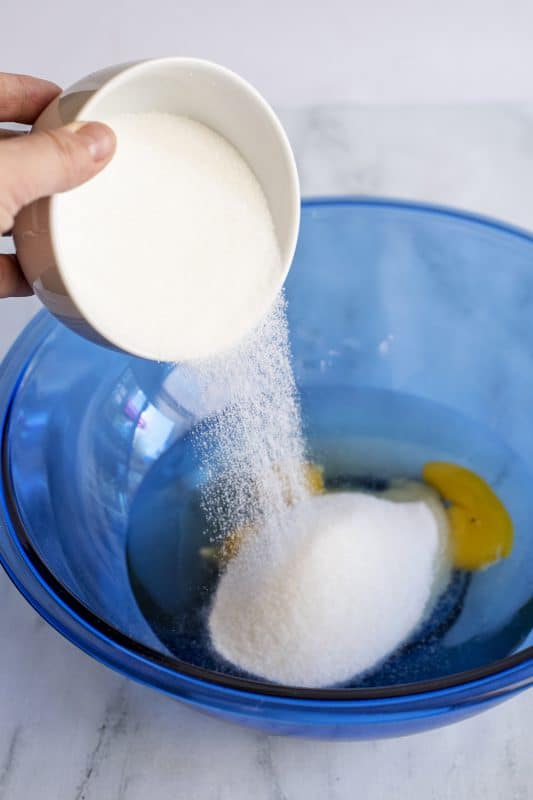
(73, 730)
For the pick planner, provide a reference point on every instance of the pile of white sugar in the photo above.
(170, 252)
(354, 579)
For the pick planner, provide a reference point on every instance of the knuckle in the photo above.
(7, 210)
(20, 92)
(15, 97)
(67, 152)
(12, 93)
(15, 187)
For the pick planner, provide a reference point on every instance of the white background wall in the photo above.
(295, 51)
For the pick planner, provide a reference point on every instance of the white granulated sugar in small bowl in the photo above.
(353, 580)
(170, 252)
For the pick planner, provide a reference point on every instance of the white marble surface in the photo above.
(72, 730)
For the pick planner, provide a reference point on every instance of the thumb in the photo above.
(47, 162)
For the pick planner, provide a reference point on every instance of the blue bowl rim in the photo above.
(516, 669)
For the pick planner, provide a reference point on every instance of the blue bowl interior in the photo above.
(412, 338)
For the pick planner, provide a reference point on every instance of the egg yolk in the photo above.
(481, 528)
(314, 477)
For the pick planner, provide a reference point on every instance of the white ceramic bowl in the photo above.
(191, 87)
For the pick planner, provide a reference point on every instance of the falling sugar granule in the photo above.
(253, 444)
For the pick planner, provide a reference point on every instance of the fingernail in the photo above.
(100, 139)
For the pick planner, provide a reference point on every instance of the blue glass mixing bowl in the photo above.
(428, 306)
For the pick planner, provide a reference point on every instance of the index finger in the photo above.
(22, 98)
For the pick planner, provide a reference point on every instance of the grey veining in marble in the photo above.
(73, 730)
(474, 157)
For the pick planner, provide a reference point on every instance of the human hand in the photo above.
(42, 163)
